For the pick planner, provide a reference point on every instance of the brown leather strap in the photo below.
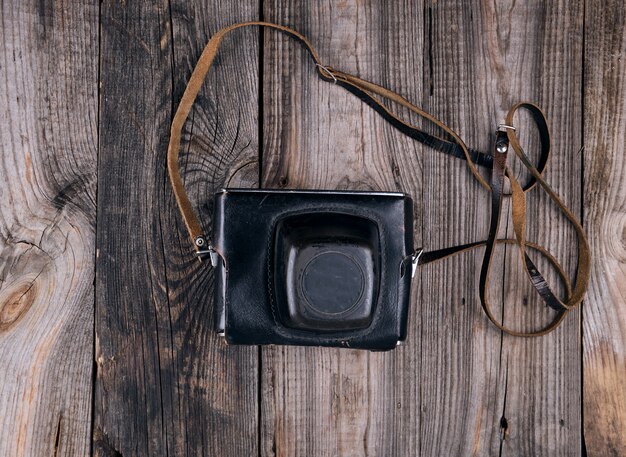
(506, 139)
(454, 145)
(365, 90)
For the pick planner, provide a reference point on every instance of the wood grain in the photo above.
(604, 313)
(166, 384)
(506, 395)
(329, 402)
(48, 136)
(459, 350)
(450, 383)
(87, 93)
(541, 54)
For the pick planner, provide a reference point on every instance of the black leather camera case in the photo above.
(320, 268)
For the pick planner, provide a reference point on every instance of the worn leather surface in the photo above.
(246, 302)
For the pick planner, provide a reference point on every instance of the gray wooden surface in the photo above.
(106, 340)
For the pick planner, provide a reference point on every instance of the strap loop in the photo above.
(326, 72)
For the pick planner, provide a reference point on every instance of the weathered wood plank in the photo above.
(329, 402)
(451, 390)
(48, 136)
(459, 348)
(166, 385)
(485, 394)
(539, 56)
(604, 313)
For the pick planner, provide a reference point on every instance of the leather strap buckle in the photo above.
(415, 258)
(212, 253)
(326, 72)
(201, 252)
(505, 127)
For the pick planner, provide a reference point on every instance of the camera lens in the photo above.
(332, 283)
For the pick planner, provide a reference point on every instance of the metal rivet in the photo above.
(199, 241)
(502, 148)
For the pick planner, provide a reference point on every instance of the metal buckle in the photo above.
(200, 253)
(212, 253)
(505, 127)
(415, 257)
(327, 70)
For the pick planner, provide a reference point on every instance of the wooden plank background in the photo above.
(106, 340)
